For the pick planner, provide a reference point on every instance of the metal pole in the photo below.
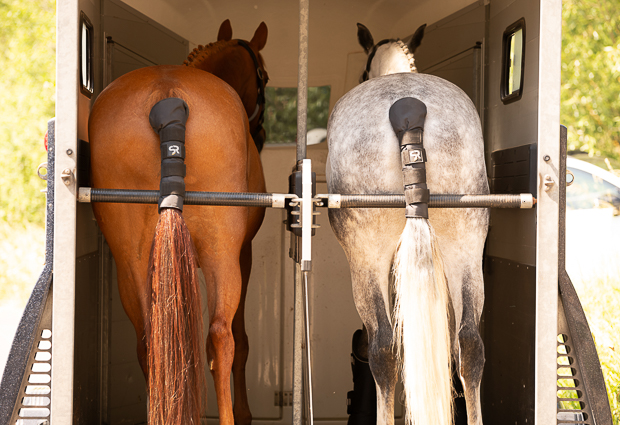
(298, 335)
(308, 376)
(302, 80)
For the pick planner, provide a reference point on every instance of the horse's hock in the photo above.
(74, 356)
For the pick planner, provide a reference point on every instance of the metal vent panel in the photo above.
(573, 406)
(33, 401)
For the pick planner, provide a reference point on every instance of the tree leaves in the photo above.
(27, 93)
(590, 94)
(281, 112)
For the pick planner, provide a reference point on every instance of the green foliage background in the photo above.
(27, 91)
(281, 112)
(590, 105)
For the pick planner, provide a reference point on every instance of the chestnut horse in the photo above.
(221, 157)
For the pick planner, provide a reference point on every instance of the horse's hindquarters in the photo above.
(125, 154)
(364, 152)
(365, 158)
(125, 151)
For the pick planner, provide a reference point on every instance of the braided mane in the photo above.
(409, 55)
(202, 53)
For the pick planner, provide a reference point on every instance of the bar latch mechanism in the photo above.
(301, 213)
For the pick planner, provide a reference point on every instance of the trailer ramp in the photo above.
(25, 390)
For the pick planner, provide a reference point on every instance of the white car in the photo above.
(592, 223)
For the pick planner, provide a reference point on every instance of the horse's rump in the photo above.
(216, 129)
(220, 155)
(451, 120)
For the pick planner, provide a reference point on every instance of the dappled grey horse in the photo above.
(417, 275)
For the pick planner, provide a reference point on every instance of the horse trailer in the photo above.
(73, 359)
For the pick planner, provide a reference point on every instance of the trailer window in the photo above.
(513, 54)
(281, 114)
(86, 56)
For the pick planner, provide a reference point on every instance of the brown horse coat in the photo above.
(220, 157)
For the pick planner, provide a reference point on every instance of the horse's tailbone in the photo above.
(421, 329)
(175, 352)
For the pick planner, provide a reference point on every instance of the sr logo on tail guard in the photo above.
(415, 156)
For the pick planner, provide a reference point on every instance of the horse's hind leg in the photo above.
(241, 408)
(368, 293)
(461, 235)
(370, 239)
(471, 356)
(135, 294)
(223, 278)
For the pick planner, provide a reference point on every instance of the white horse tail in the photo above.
(421, 310)
(421, 328)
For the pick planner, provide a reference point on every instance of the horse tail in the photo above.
(174, 334)
(421, 310)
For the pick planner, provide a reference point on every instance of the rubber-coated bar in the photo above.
(524, 200)
(331, 201)
(191, 198)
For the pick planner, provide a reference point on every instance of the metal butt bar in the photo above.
(278, 200)
(523, 200)
(273, 200)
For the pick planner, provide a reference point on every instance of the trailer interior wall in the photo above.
(333, 46)
(97, 366)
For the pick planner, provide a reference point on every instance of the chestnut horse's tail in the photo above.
(174, 334)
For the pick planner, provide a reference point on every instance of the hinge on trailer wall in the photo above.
(283, 398)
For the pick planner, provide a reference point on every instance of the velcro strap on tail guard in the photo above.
(416, 211)
(417, 194)
(412, 137)
(168, 118)
(173, 168)
(174, 185)
(175, 133)
(414, 175)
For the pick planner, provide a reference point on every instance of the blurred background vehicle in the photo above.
(592, 223)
